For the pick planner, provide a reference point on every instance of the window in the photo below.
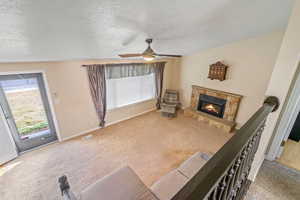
(129, 90)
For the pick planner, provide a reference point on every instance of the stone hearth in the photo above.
(227, 122)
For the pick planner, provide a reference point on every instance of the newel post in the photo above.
(272, 101)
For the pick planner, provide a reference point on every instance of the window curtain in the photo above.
(159, 77)
(115, 71)
(97, 83)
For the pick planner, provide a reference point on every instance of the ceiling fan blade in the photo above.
(169, 55)
(130, 55)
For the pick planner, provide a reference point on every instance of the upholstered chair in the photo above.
(170, 103)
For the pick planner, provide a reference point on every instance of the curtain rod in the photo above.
(124, 63)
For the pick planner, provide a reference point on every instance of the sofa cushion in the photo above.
(192, 165)
(122, 184)
(168, 186)
(206, 156)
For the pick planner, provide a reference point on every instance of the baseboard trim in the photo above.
(79, 134)
(133, 116)
(8, 158)
(108, 124)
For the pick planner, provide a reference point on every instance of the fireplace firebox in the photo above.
(211, 105)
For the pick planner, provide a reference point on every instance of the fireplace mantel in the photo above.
(232, 104)
(230, 112)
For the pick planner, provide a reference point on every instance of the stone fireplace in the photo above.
(211, 105)
(218, 108)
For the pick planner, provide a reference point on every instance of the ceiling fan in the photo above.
(148, 54)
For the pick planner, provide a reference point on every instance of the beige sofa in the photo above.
(124, 183)
(167, 186)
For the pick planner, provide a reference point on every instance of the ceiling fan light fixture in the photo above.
(148, 57)
(148, 54)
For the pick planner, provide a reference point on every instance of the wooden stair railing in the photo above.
(225, 175)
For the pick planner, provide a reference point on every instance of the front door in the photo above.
(7, 146)
(26, 108)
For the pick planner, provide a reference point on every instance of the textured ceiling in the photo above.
(44, 30)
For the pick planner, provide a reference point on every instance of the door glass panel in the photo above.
(26, 105)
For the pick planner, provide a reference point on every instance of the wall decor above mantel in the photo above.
(217, 71)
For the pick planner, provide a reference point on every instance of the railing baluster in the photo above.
(223, 187)
(231, 180)
(224, 176)
(215, 193)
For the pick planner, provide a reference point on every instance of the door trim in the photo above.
(48, 93)
(287, 119)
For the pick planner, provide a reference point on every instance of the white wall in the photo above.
(8, 149)
(70, 93)
(250, 66)
(281, 79)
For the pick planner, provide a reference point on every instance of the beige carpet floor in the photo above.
(290, 156)
(152, 145)
(275, 182)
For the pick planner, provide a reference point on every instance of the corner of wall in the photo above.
(281, 79)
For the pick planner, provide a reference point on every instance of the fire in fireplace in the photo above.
(211, 105)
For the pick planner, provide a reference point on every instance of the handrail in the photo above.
(225, 175)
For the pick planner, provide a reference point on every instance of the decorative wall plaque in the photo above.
(217, 71)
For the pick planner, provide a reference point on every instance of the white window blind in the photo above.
(129, 90)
